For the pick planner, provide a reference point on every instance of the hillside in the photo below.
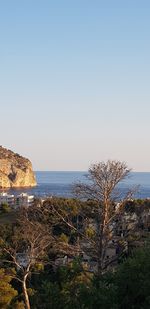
(15, 170)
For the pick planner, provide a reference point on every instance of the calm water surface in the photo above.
(60, 183)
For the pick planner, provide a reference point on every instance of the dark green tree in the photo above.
(132, 280)
(7, 292)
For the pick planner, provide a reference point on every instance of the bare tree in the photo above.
(26, 248)
(101, 186)
(34, 240)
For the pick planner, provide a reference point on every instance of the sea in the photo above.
(50, 183)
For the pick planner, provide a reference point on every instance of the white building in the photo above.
(7, 198)
(24, 199)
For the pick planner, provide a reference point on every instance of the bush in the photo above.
(5, 208)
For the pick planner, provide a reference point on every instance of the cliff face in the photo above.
(15, 170)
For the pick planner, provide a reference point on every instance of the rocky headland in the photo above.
(15, 170)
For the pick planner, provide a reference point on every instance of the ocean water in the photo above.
(60, 184)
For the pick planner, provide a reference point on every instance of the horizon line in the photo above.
(80, 171)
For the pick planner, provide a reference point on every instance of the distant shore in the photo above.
(51, 183)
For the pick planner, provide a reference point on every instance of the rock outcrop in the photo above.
(15, 170)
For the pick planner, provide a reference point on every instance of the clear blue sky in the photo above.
(75, 82)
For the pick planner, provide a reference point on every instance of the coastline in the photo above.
(59, 183)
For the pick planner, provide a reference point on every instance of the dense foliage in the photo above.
(52, 285)
(7, 292)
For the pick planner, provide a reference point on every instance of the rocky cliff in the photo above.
(15, 170)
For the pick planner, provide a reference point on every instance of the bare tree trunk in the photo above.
(99, 258)
(25, 293)
(106, 210)
(99, 245)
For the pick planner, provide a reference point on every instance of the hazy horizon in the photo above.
(75, 82)
(81, 171)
